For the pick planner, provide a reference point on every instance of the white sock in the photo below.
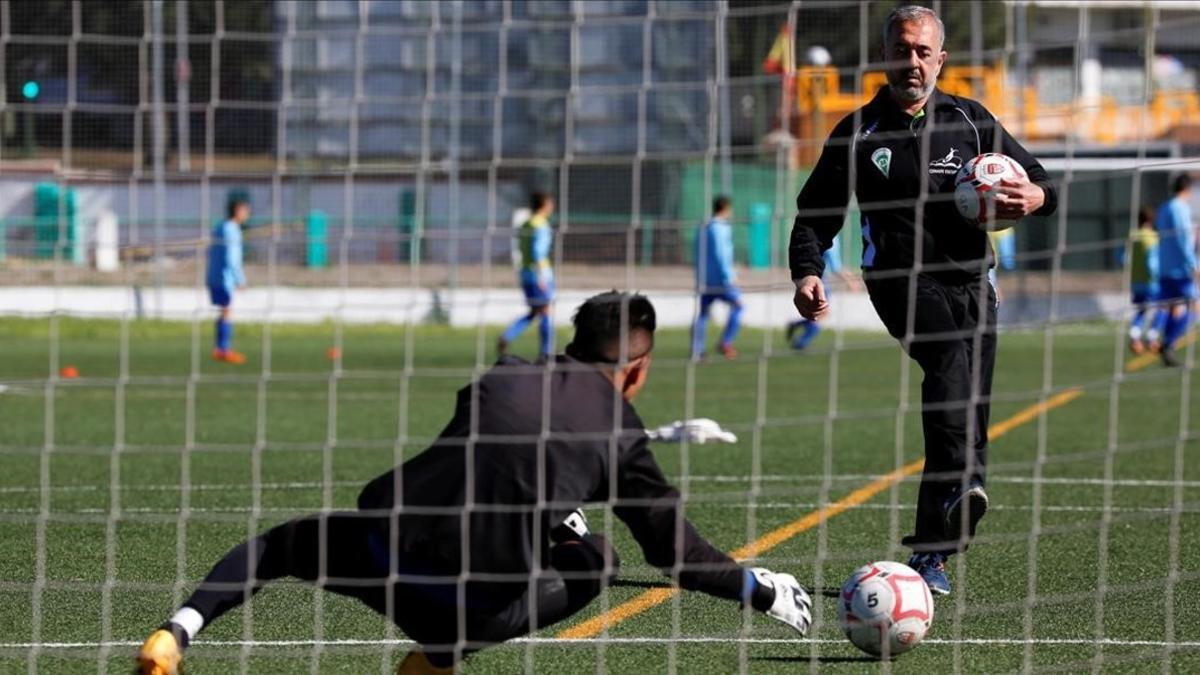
(189, 620)
(1135, 333)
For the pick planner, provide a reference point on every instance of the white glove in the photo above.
(700, 430)
(792, 604)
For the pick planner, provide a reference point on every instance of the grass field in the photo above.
(1094, 532)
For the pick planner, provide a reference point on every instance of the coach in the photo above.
(925, 268)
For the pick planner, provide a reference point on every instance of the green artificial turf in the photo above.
(285, 434)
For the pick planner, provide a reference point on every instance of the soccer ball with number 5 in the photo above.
(885, 608)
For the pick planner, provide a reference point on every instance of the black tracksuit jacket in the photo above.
(902, 169)
(525, 447)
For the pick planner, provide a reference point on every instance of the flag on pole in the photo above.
(781, 59)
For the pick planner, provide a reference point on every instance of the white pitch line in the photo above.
(1088, 641)
(774, 478)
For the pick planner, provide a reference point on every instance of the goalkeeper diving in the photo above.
(479, 539)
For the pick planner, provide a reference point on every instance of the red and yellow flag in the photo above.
(782, 57)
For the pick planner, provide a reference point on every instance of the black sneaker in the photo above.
(965, 506)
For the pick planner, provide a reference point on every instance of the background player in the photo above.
(1177, 264)
(924, 268)
(225, 275)
(522, 483)
(536, 276)
(716, 279)
(1143, 282)
(812, 327)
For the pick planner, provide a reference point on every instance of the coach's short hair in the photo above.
(538, 199)
(606, 321)
(1182, 182)
(720, 203)
(910, 14)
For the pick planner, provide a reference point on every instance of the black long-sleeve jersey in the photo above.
(902, 169)
(525, 447)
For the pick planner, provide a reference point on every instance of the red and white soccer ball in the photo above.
(885, 608)
(975, 185)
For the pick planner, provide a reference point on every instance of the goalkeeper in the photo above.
(480, 531)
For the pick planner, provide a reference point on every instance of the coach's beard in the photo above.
(911, 94)
(908, 93)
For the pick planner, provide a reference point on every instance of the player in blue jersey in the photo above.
(716, 279)
(225, 275)
(810, 329)
(1177, 264)
(536, 276)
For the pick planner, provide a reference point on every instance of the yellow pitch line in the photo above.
(656, 596)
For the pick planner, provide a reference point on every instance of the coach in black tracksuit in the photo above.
(925, 267)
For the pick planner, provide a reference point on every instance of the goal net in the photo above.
(385, 154)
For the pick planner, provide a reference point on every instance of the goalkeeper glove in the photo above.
(700, 430)
(791, 604)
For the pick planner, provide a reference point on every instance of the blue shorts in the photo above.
(1176, 289)
(535, 295)
(1142, 294)
(729, 294)
(221, 296)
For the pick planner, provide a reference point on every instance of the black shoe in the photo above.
(501, 347)
(974, 501)
(1169, 359)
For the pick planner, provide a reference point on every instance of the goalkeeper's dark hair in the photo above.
(603, 322)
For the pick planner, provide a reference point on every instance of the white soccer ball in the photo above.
(974, 189)
(885, 608)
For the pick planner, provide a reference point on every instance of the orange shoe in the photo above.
(727, 351)
(229, 356)
(160, 654)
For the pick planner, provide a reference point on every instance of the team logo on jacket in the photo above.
(882, 159)
(948, 165)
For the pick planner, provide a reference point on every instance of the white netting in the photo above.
(384, 147)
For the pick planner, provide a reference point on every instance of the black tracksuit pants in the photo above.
(345, 559)
(952, 336)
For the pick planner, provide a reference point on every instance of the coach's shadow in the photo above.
(820, 659)
(829, 592)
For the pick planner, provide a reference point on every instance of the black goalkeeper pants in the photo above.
(952, 337)
(340, 552)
